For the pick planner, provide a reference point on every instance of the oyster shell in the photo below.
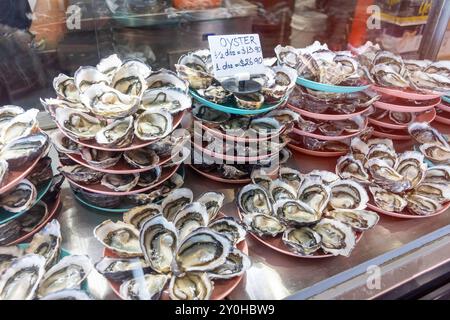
(296, 213)
(291, 176)
(191, 286)
(65, 88)
(215, 93)
(158, 240)
(42, 172)
(315, 194)
(423, 133)
(141, 158)
(438, 192)
(387, 177)
(169, 99)
(281, 83)
(129, 80)
(3, 171)
(21, 279)
(401, 117)
(77, 125)
(85, 77)
(175, 201)
(327, 177)
(7, 113)
(166, 78)
(152, 125)
(348, 194)
(260, 177)
(264, 224)
(147, 287)
(68, 273)
(251, 101)
(387, 200)
(121, 238)
(202, 250)
(120, 182)
(8, 255)
(411, 166)
(348, 167)
(208, 115)
(438, 174)
(190, 218)
(47, 243)
(235, 265)
(359, 220)
(136, 64)
(382, 152)
(436, 153)
(100, 158)
(82, 174)
(281, 190)
(193, 69)
(121, 269)
(213, 201)
(284, 116)
(304, 241)
(20, 126)
(228, 227)
(421, 205)
(25, 150)
(138, 215)
(150, 177)
(34, 217)
(69, 294)
(337, 238)
(254, 199)
(386, 75)
(109, 65)
(19, 199)
(117, 134)
(265, 126)
(63, 144)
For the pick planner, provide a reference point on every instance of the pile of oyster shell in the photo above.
(117, 100)
(318, 63)
(387, 69)
(196, 68)
(312, 211)
(396, 181)
(433, 145)
(37, 272)
(182, 245)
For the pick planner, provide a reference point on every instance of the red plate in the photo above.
(216, 177)
(406, 108)
(405, 214)
(316, 153)
(385, 122)
(52, 209)
(121, 167)
(15, 176)
(328, 138)
(442, 120)
(412, 95)
(167, 172)
(136, 142)
(277, 244)
(219, 134)
(391, 136)
(327, 116)
(222, 288)
(443, 107)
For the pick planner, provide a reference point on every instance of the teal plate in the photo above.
(328, 87)
(231, 108)
(123, 209)
(446, 99)
(6, 216)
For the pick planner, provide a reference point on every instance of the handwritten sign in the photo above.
(236, 54)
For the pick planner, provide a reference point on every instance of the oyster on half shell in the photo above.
(117, 134)
(337, 238)
(121, 238)
(304, 241)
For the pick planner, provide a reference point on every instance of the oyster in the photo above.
(348, 167)
(251, 101)
(158, 239)
(65, 88)
(119, 237)
(42, 172)
(69, 294)
(304, 241)
(337, 238)
(147, 287)
(327, 177)
(213, 201)
(78, 125)
(170, 99)
(265, 126)
(284, 116)
(254, 199)
(175, 201)
(421, 205)
(235, 265)
(20, 126)
(235, 126)
(47, 243)
(387, 177)
(264, 224)
(99, 158)
(190, 218)
(21, 279)
(141, 158)
(129, 80)
(136, 64)
(228, 227)
(281, 190)
(138, 215)
(411, 166)
(377, 141)
(423, 133)
(7, 113)
(215, 93)
(34, 217)
(50, 105)
(117, 134)
(191, 286)
(359, 149)
(210, 116)
(260, 177)
(120, 182)
(401, 117)
(382, 152)
(19, 199)
(436, 153)
(9, 231)
(121, 269)
(359, 220)
(315, 194)
(152, 125)
(231, 172)
(150, 177)
(193, 69)
(202, 250)
(291, 176)
(386, 75)
(166, 78)
(281, 83)
(63, 144)
(8, 255)
(86, 77)
(438, 192)
(348, 194)
(24, 150)
(81, 174)
(294, 212)
(438, 174)
(109, 65)
(387, 200)
(68, 273)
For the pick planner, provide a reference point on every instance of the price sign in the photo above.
(234, 54)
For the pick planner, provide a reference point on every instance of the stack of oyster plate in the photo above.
(115, 125)
(314, 215)
(182, 250)
(227, 148)
(443, 111)
(53, 273)
(29, 193)
(401, 185)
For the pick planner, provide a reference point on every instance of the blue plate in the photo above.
(328, 87)
(123, 209)
(231, 108)
(6, 216)
(446, 99)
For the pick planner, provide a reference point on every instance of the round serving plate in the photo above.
(404, 94)
(391, 136)
(406, 108)
(328, 138)
(136, 142)
(327, 116)
(231, 108)
(328, 87)
(124, 207)
(222, 288)
(316, 153)
(121, 167)
(443, 107)
(167, 172)
(13, 177)
(405, 214)
(276, 243)
(220, 135)
(52, 207)
(6, 216)
(427, 116)
(442, 120)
